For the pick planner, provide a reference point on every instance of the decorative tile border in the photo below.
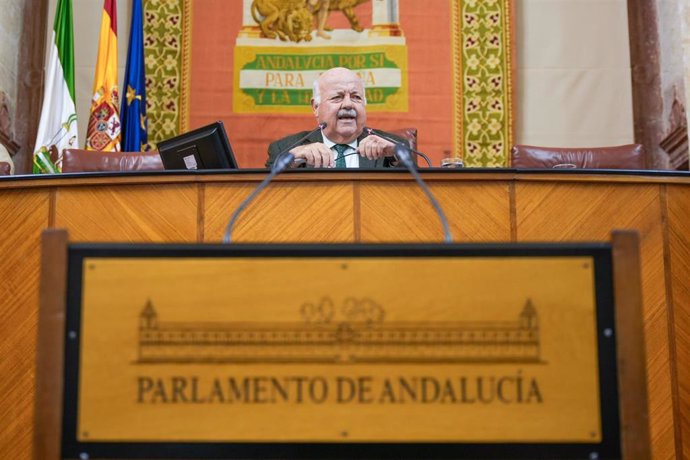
(483, 81)
(167, 54)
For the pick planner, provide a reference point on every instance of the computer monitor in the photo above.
(203, 148)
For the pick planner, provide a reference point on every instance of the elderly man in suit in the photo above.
(339, 101)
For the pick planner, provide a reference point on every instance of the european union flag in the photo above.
(133, 113)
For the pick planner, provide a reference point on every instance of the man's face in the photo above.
(342, 106)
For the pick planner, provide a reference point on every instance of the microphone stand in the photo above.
(403, 154)
(397, 142)
(283, 160)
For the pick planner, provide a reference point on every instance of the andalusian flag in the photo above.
(103, 131)
(134, 122)
(57, 129)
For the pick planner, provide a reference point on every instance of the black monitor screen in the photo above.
(203, 148)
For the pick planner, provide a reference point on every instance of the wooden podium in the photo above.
(327, 351)
(384, 206)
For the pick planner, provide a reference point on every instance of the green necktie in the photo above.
(340, 158)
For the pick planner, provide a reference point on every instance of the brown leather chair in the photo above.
(78, 160)
(5, 168)
(631, 156)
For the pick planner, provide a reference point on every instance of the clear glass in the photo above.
(452, 162)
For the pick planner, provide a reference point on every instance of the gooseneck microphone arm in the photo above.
(403, 154)
(380, 134)
(281, 163)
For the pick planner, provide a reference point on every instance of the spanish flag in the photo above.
(103, 131)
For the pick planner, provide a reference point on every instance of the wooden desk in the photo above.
(385, 206)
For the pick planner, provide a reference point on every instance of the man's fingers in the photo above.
(363, 148)
(371, 151)
(316, 155)
(325, 157)
(374, 147)
(316, 159)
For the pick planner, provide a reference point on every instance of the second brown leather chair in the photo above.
(78, 160)
(631, 156)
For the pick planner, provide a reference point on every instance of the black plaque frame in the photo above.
(601, 253)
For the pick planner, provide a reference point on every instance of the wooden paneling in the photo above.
(402, 212)
(632, 361)
(23, 214)
(312, 212)
(50, 345)
(678, 200)
(128, 213)
(580, 212)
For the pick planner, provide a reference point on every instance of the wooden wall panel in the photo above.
(679, 252)
(402, 212)
(147, 213)
(580, 212)
(309, 212)
(23, 214)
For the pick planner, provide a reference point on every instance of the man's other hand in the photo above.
(374, 147)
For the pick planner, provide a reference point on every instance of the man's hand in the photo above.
(316, 155)
(374, 147)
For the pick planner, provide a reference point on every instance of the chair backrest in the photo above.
(78, 160)
(5, 168)
(631, 156)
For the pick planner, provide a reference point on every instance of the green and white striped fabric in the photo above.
(57, 129)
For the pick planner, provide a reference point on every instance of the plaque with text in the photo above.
(340, 351)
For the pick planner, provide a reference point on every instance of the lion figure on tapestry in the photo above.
(293, 20)
(286, 19)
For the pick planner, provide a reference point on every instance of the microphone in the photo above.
(380, 134)
(403, 154)
(282, 161)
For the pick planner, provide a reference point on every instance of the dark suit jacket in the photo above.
(364, 163)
